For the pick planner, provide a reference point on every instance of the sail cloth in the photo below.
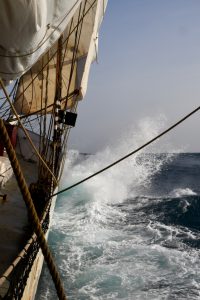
(27, 29)
(33, 28)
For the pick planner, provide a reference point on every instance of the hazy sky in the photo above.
(148, 65)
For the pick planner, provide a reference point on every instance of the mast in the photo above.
(57, 108)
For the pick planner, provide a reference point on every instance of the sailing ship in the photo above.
(46, 49)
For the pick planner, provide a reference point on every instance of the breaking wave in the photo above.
(132, 232)
(182, 192)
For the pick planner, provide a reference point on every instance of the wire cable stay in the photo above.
(130, 153)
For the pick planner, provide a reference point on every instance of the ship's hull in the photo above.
(21, 278)
(34, 276)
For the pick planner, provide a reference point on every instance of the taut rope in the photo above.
(31, 210)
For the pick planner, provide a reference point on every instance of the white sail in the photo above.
(28, 28)
(30, 46)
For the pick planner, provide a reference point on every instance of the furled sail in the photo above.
(77, 23)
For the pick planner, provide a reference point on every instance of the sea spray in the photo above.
(118, 236)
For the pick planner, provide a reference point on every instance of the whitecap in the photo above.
(180, 192)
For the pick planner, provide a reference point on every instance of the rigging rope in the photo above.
(25, 132)
(52, 56)
(32, 212)
(129, 154)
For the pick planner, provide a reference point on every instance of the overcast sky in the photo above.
(148, 65)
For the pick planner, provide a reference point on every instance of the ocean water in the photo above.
(133, 232)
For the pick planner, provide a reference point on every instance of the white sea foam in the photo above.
(100, 253)
(182, 192)
(115, 184)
